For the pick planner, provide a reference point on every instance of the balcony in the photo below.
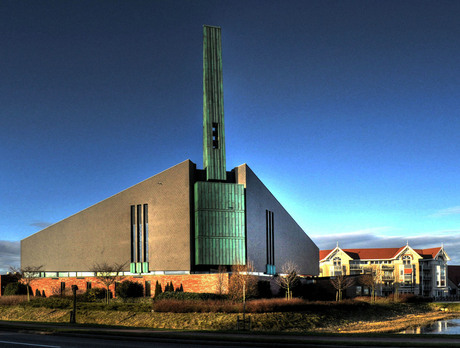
(356, 267)
(388, 278)
(388, 267)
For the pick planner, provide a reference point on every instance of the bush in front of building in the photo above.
(129, 289)
(12, 300)
(53, 302)
(92, 295)
(15, 289)
(189, 296)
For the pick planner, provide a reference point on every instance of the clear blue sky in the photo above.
(349, 111)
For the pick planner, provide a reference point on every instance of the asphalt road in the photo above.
(18, 339)
(22, 334)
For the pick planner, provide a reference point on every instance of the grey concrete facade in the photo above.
(101, 233)
(291, 242)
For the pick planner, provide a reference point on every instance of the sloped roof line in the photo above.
(381, 253)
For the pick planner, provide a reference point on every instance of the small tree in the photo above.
(27, 275)
(341, 283)
(242, 283)
(221, 273)
(158, 289)
(108, 274)
(288, 278)
(371, 278)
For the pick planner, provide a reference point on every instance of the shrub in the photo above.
(129, 289)
(12, 300)
(15, 289)
(196, 306)
(184, 296)
(92, 295)
(264, 289)
(49, 302)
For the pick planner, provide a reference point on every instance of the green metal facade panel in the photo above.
(213, 106)
(219, 224)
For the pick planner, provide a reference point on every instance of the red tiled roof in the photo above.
(428, 253)
(380, 253)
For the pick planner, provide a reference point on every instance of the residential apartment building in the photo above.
(404, 270)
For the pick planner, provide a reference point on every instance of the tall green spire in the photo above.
(213, 106)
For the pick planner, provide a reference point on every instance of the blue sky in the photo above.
(348, 111)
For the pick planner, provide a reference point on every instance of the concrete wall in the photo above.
(291, 242)
(101, 233)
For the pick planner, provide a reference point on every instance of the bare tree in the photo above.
(288, 278)
(341, 283)
(242, 282)
(371, 278)
(108, 274)
(221, 286)
(27, 275)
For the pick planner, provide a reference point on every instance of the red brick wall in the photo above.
(190, 283)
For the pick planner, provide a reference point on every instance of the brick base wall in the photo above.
(190, 283)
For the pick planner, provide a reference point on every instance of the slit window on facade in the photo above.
(146, 233)
(139, 238)
(270, 240)
(62, 288)
(88, 285)
(215, 136)
(133, 233)
(139, 233)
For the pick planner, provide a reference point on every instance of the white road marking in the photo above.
(30, 344)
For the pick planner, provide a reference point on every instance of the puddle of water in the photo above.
(445, 327)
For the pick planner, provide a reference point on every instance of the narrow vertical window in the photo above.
(88, 285)
(215, 136)
(272, 225)
(270, 240)
(133, 234)
(146, 233)
(139, 233)
(267, 237)
(62, 288)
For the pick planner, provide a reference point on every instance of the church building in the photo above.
(181, 224)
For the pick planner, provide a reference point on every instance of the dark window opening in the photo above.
(62, 288)
(133, 235)
(270, 236)
(146, 233)
(139, 233)
(215, 136)
(88, 285)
